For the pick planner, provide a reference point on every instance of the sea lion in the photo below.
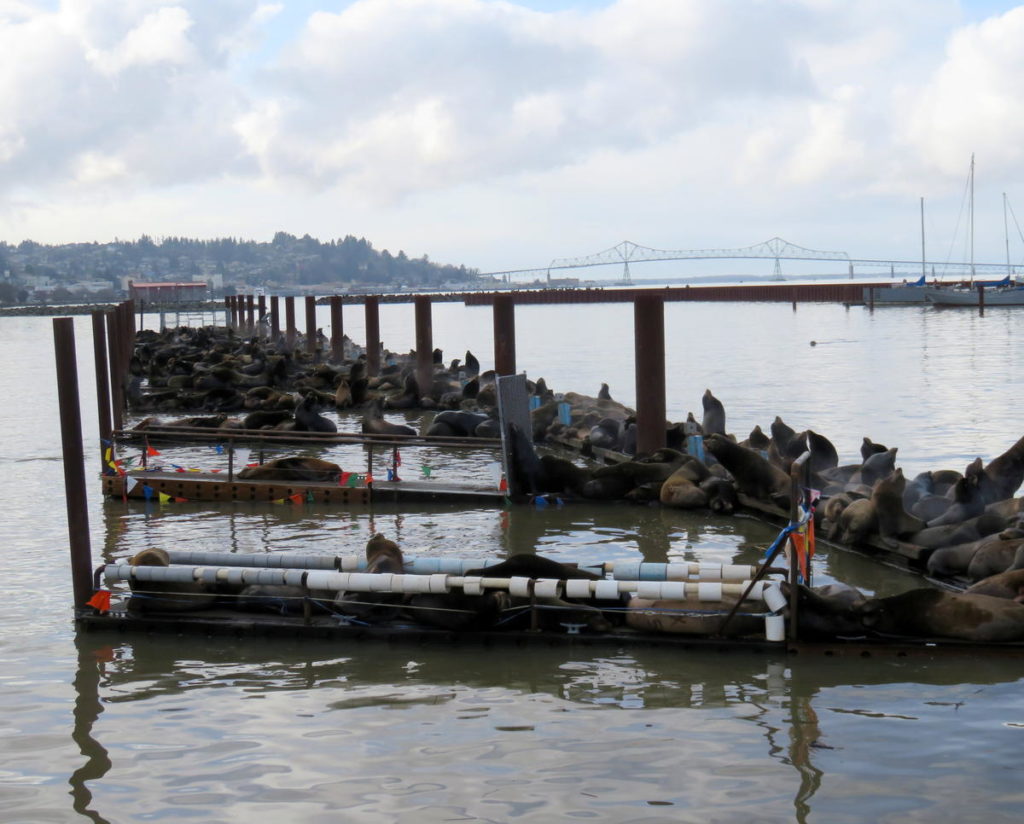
(721, 495)
(680, 491)
(375, 424)
(408, 398)
(562, 476)
(1006, 472)
(558, 611)
(382, 556)
(757, 440)
(875, 467)
(782, 434)
(266, 418)
(827, 612)
(165, 596)
(471, 366)
(930, 613)
(967, 502)
(951, 534)
(459, 424)
(893, 520)
(308, 417)
(714, 414)
(869, 448)
(1007, 584)
(311, 470)
(994, 555)
(952, 561)
(603, 393)
(527, 473)
(857, 521)
(754, 475)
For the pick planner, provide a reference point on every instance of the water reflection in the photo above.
(680, 725)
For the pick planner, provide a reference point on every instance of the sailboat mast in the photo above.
(923, 273)
(1006, 235)
(972, 217)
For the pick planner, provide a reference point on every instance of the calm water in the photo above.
(133, 728)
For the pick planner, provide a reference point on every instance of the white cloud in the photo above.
(690, 121)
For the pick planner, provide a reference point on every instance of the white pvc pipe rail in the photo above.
(332, 581)
(620, 570)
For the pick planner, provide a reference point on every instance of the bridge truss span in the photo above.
(628, 252)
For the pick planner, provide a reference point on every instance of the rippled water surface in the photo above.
(129, 728)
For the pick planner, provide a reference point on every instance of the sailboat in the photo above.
(1003, 292)
(902, 294)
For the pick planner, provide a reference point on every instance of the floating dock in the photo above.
(216, 487)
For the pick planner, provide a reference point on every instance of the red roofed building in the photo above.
(168, 292)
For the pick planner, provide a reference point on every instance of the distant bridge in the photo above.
(775, 249)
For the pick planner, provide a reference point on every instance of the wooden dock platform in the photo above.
(226, 623)
(208, 486)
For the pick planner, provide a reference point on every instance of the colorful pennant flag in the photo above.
(353, 479)
(296, 498)
(426, 470)
(151, 451)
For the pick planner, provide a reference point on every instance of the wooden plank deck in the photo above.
(208, 486)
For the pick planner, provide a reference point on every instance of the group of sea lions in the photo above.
(990, 612)
(228, 382)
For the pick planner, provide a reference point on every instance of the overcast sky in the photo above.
(501, 135)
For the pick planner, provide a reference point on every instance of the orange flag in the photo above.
(296, 498)
(100, 601)
(151, 451)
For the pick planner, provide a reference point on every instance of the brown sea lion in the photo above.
(312, 470)
(994, 555)
(1007, 472)
(930, 613)
(857, 521)
(714, 414)
(375, 424)
(754, 475)
(893, 520)
(382, 556)
(1007, 584)
(165, 596)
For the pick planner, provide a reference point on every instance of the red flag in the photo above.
(100, 600)
(296, 498)
(151, 451)
(343, 478)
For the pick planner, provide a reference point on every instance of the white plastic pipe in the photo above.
(606, 589)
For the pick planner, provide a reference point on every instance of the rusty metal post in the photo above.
(261, 306)
(250, 312)
(372, 307)
(337, 331)
(275, 318)
(311, 336)
(74, 461)
(113, 365)
(129, 311)
(504, 335)
(289, 321)
(649, 342)
(99, 353)
(424, 345)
